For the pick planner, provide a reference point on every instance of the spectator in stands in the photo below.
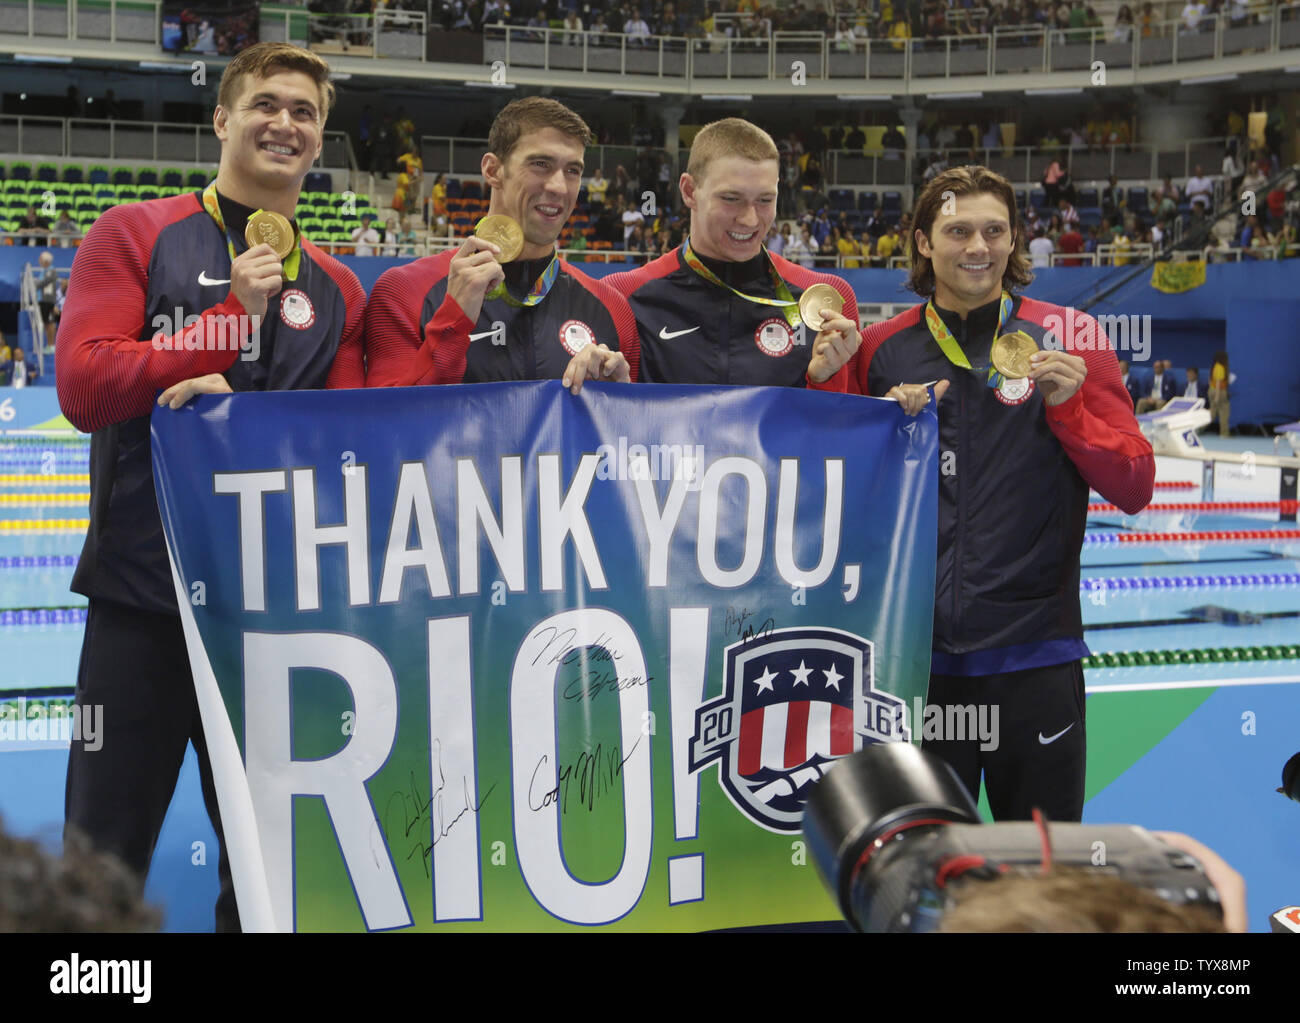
(1221, 380)
(1068, 214)
(1148, 22)
(389, 238)
(1108, 232)
(936, 167)
(34, 228)
(407, 240)
(1130, 383)
(1070, 242)
(47, 293)
(992, 139)
(1191, 17)
(437, 218)
(1054, 180)
(876, 223)
(6, 361)
(964, 138)
(801, 249)
(1113, 197)
(848, 248)
(1193, 388)
(893, 142)
(365, 237)
(65, 230)
(19, 370)
(572, 28)
(1041, 248)
(1161, 391)
(1254, 180)
(856, 139)
(776, 240)
(821, 228)
(1200, 189)
(1166, 203)
(636, 30)
(632, 218)
(1123, 30)
(596, 189)
(888, 245)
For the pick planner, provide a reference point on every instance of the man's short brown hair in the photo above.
(972, 180)
(263, 59)
(731, 136)
(521, 116)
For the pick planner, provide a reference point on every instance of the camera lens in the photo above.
(874, 794)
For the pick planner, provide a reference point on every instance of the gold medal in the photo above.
(266, 227)
(504, 233)
(1010, 354)
(814, 300)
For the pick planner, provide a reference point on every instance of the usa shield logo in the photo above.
(793, 701)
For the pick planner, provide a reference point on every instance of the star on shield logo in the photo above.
(793, 701)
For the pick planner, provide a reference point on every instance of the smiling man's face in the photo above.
(969, 249)
(537, 186)
(273, 131)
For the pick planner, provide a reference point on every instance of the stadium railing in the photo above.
(76, 138)
(695, 61)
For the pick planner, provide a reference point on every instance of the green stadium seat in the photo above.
(74, 174)
(172, 177)
(123, 176)
(146, 176)
(197, 178)
(98, 174)
(127, 193)
(47, 172)
(20, 171)
(148, 193)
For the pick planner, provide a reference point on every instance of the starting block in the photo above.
(1172, 430)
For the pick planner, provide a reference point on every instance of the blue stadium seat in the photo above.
(892, 202)
(1038, 198)
(1088, 197)
(866, 201)
(122, 176)
(471, 190)
(841, 199)
(1137, 199)
(196, 179)
(453, 188)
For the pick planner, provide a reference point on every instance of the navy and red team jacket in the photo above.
(1013, 482)
(694, 332)
(417, 334)
(138, 265)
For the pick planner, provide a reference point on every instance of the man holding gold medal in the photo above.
(189, 294)
(721, 309)
(1028, 422)
(504, 306)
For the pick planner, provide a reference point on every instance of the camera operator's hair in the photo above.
(972, 180)
(83, 892)
(521, 116)
(1067, 900)
(261, 60)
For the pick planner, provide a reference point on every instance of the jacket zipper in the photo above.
(962, 469)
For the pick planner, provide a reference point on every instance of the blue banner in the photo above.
(501, 657)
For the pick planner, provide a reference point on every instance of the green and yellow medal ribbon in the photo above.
(786, 301)
(536, 293)
(291, 262)
(948, 344)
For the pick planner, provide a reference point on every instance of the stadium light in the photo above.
(1052, 92)
(489, 85)
(1209, 79)
(159, 65)
(41, 58)
(954, 95)
(641, 93)
(738, 97)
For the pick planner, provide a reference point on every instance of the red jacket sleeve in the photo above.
(1098, 430)
(396, 354)
(841, 379)
(106, 373)
(349, 366)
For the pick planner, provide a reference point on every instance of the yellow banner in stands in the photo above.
(1173, 278)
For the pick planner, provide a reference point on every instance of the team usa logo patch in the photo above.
(575, 336)
(773, 338)
(793, 701)
(1015, 392)
(296, 309)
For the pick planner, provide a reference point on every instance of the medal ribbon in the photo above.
(538, 291)
(948, 344)
(786, 301)
(291, 262)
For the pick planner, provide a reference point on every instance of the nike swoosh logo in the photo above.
(205, 280)
(667, 335)
(486, 333)
(1056, 736)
